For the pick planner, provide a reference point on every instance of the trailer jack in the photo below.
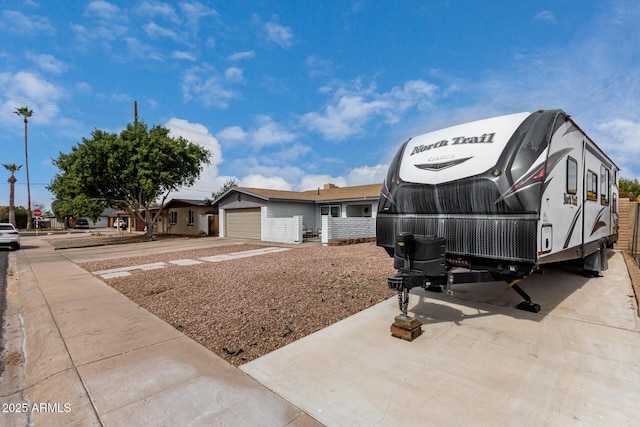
(405, 326)
(525, 305)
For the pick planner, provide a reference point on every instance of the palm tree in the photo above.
(26, 113)
(13, 168)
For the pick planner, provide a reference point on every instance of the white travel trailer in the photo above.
(504, 196)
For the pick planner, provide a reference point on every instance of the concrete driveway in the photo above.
(479, 360)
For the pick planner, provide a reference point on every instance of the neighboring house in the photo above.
(104, 220)
(186, 217)
(291, 216)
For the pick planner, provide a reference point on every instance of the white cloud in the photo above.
(270, 133)
(233, 75)
(353, 109)
(47, 63)
(208, 181)
(266, 132)
(196, 11)
(155, 31)
(150, 9)
(83, 88)
(545, 15)
(619, 138)
(364, 175)
(139, 49)
(104, 33)
(102, 9)
(238, 56)
(178, 54)
(232, 134)
(206, 85)
(289, 154)
(260, 181)
(20, 23)
(345, 117)
(24, 85)
(318, 66)
(312, 182)
(278, 34)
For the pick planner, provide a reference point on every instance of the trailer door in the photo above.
(597, 204)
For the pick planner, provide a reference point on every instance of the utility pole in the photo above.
(26, 113)
(135, 112)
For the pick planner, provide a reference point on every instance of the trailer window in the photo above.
(604, 185)
(592, 186)
(572, 176)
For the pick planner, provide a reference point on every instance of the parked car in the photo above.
(81, 223)
(9, 235)
(120, 223)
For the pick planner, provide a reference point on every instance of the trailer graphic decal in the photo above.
(439, 166)
(536, 174)
(598, 223)
(571, 228)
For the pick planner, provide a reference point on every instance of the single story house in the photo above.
(186, 217)
(291, 216)
(105, 219)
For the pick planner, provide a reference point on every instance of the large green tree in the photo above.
(228, 184)
(629, 188)
(132, 171)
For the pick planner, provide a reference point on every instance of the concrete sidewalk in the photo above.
(80, 353)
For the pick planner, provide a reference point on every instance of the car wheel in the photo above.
(16, 246)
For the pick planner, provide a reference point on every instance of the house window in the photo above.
(173, 217)
(333, 211)
(191, 219)
(604, 185)
(572, 176)
(592, 186)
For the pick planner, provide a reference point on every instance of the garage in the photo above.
(243, 223)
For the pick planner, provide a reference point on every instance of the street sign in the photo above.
(37, 212)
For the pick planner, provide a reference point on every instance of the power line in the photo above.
(74, 107)
(68, 106)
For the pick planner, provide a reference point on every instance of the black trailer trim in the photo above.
(508, 237)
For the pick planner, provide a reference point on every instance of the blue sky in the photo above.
(295, 94)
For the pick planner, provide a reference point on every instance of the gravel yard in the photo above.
(244, 308)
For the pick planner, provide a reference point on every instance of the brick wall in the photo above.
(633, 210)
(625, 223)
(341, 230)
(281, 230)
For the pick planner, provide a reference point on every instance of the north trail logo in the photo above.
(485, 138)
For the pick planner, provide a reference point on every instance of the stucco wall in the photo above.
(182, 225)
(246, 201)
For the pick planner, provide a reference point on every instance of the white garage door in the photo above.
(243, 223)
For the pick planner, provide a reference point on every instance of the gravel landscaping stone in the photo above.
(244, 308)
